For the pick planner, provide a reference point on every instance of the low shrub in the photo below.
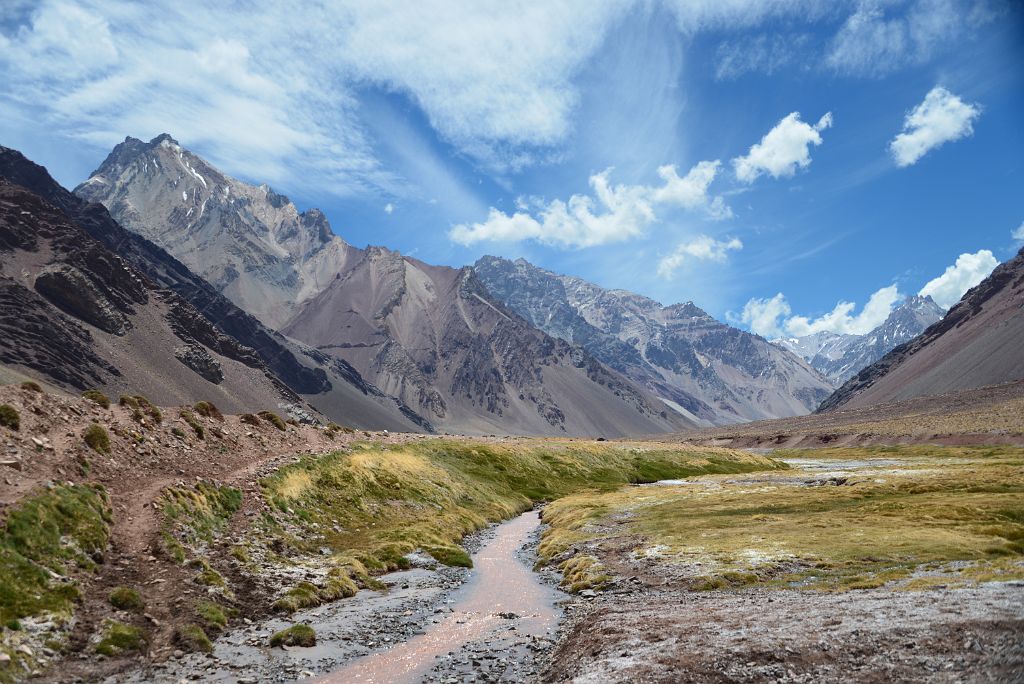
(9, 417)
(97, 397)
(249, 419)
(207, 409)
(141, 407)
(31, 386)
(97, 438)
(273, 419)
(126, 598)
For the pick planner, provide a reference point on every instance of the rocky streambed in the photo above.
(495, 622)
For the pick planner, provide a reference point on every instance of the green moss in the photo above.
(208, 409)
(31, 386)
(296, 635)
(192, 637)
(121, 639)
(54, 530)
(273, 419)
(126, 598)
(97, 397)
(9, 417)
(97, 438)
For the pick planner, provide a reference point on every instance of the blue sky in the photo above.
(789, 166)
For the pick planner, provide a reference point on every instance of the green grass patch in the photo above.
(377, 503)
(97, 397)
(9, 417)
(208, 409)
(126, 598)
(900, 508)
(192, 637)
(97, 439)
(273, 419)
(296, 635)
(55, 530)
(121, 639)
(141, 407)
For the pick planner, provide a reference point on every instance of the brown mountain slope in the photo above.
(980, 342)
(433, 337)
(78, 314)
(333, 388)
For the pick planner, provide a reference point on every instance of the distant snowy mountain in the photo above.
(840, 356)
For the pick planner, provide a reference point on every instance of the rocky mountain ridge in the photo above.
(430, 336)
(976, 344)
(713, 372)
(840, 356)
(334, 387)
(248, 241)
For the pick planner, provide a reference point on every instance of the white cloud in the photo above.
(762, 315)
(782, 150)
(772, 318)
(1018, 232)
(968, 271)
(942, 117)
(389, 208)
(875, 40)
(702, 248)
(614, 213)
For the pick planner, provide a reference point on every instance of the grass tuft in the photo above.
(9, 417)
(296, 635)
(192, 637)
(31, 386)
(126, 598)
(208, 409)
(97, 438)
(121, 639)
(273, 419)
(97, 397)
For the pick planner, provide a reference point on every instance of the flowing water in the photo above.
(501, 591)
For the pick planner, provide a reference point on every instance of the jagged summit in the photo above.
(841, 356)
(249, 241)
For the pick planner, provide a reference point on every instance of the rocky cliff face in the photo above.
(434, 337)
(840, 357)
(203, 320)
(976, 344)
(82, 316)
(710, 370)
(248, 241)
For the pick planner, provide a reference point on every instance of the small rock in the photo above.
(24, 650)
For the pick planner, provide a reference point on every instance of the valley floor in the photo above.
(191, 541)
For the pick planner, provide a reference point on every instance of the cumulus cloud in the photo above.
(389, 208)
(942, 117)
(614, 213)
(701, 248)
(762, 316)
(782, 150)
(1018, 232)
(772, 318)
(968, 271)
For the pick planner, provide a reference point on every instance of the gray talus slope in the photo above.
(249, 242)
(840, 356)
(684, 356)
(433, 337)
(976, 344)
